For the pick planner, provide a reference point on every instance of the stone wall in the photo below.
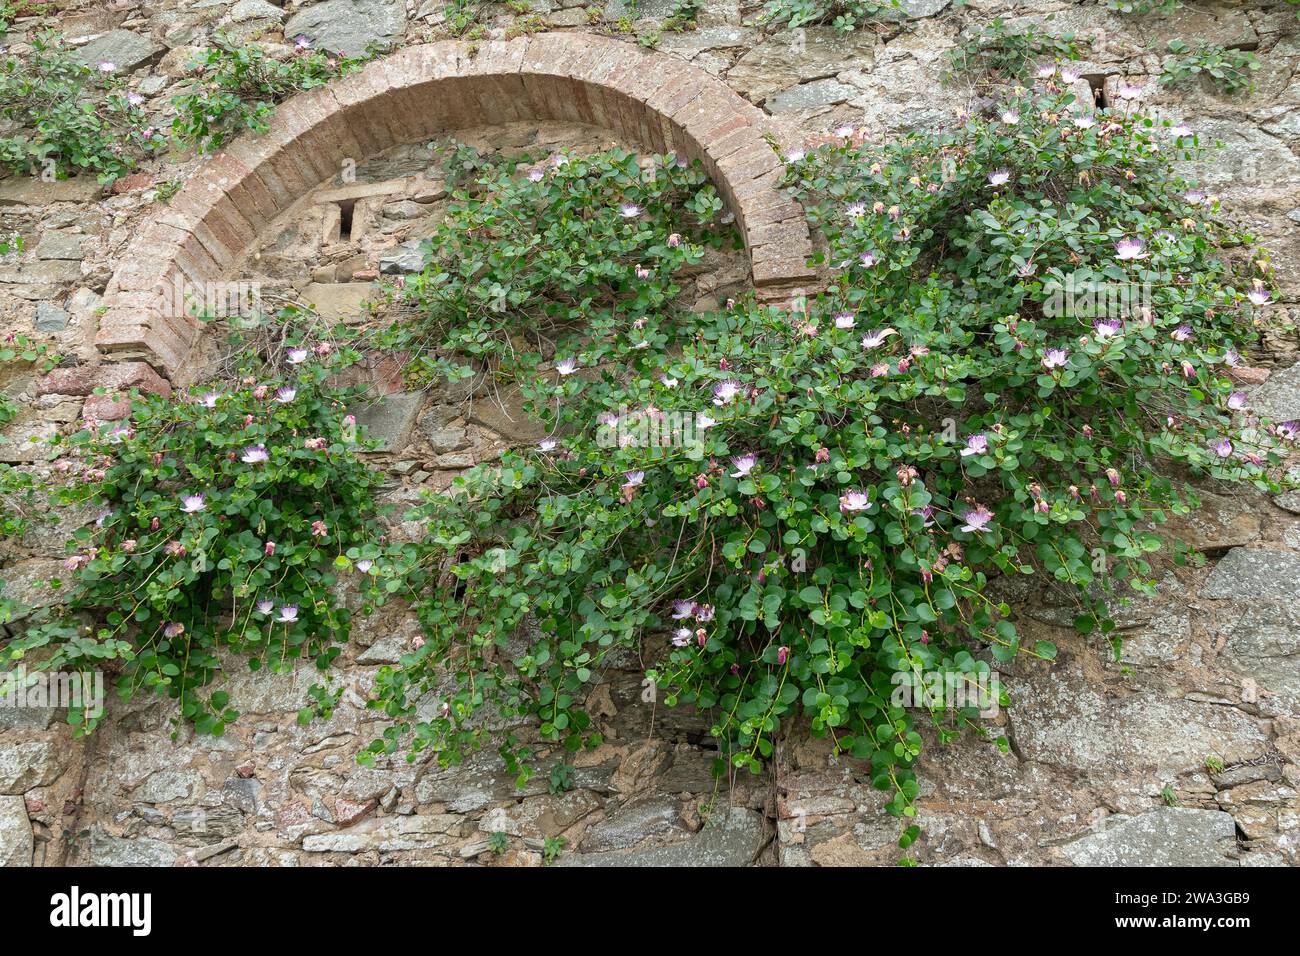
(1108, 760)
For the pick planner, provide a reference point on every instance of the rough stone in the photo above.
(50, 318)
(390, 419)
(1170, 836)
(1251, 573)
(28, 764)
(504, 414)
(16, 843)
(652, 816)
(348, 26)
(915, 9)
(1262, 639)
(734, 838)
(60, 245)
(1060, 719)
(807, 96)
(339, 301)
(124, 49)
(246, 10)
(406, 259)
(108, 850)
(1279, 397)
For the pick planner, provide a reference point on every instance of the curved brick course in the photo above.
(658, 101)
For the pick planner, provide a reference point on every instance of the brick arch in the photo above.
(657, 101)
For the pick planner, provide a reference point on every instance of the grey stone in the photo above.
(1249, 165)
(1249, 573)
(207, 824)
(1062, 719)
(386, 650)
(391, 419)
(60, 245)
(1263, 642)
(808, 96)
(1170, 836)
(27, 584)
(633, 822)
(28, 764)
(915, 9)
(777, 64)
(168, 785)
(16, 844)
(389, 834)
(28, 191)
(124, 49)
(107, 850)
(242, 793)
(348, 26)
(406, 259)
(1279, 397)
(246, 10)
(50, 318)
(734, 838)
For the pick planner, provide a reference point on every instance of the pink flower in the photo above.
(743, 464)
(1130, 250)
(1055, 358)
(269, 548)
(674, 240)
(1222, 448)
(566, 366)
(999, 177)
(876, 338)
(683, 609)
(319, 529)
(288, 614)
(192, 504)
(854, 501)
(975, 445)
(782, 654)
(977, 519)
(682, 636)
(724, 392)
(174, 629)
(1237, 401)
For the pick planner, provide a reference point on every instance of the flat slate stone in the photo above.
(348, 26)
(50, 318)
(15, 833)
(733, 839)
(391, 418)
(1279, 397)
(124, 49)
(339, 301)
(60, 245)
(1170, 836)
(1252, 573)
(810, 96)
